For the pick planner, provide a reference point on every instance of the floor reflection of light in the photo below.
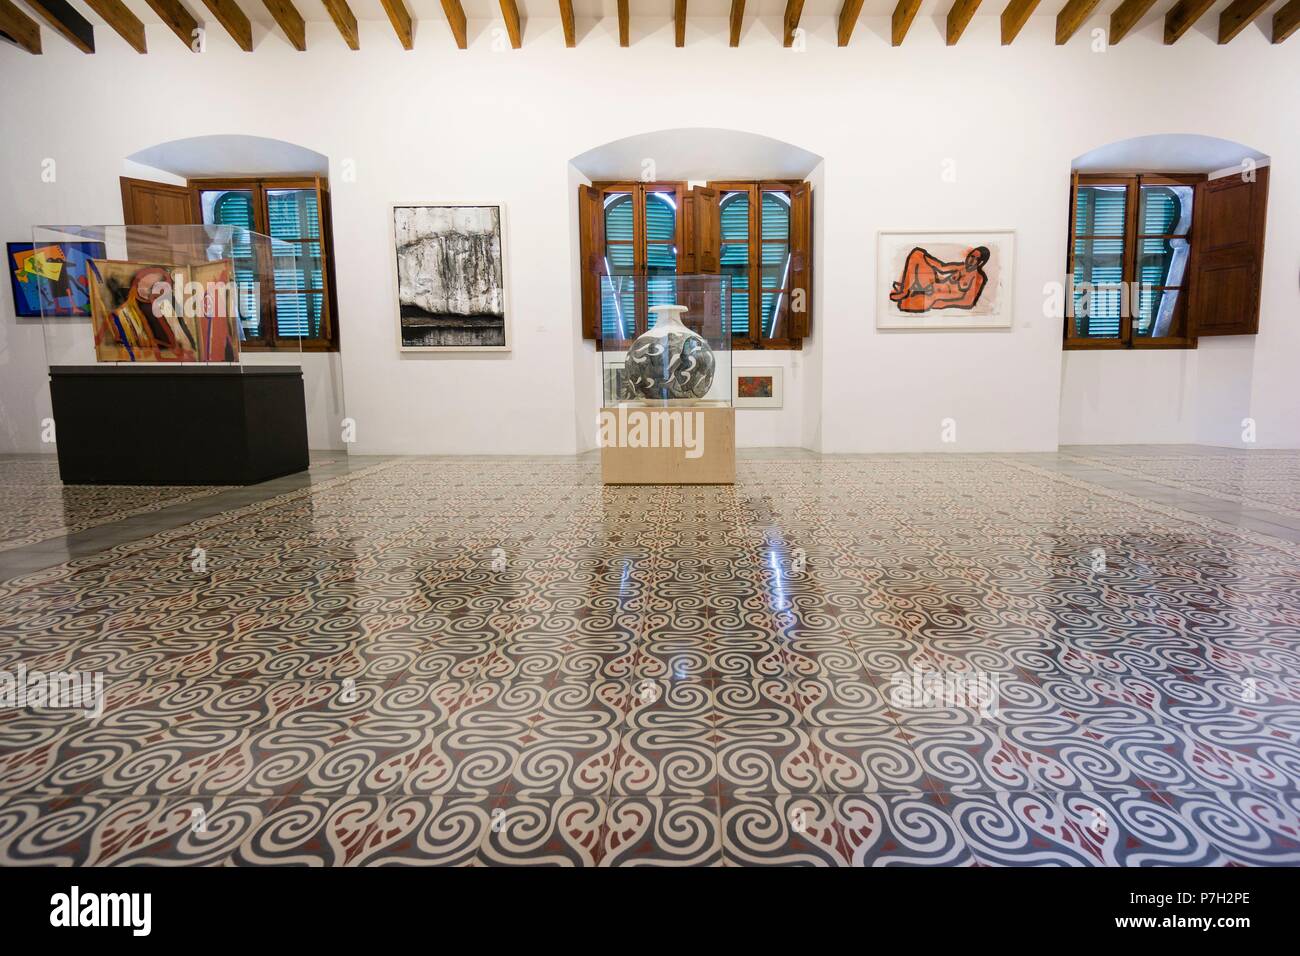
(778, 582)
(622, 580)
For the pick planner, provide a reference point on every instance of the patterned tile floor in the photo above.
(939, 659)
(1262, 479)
(38, 507)
(46, 523)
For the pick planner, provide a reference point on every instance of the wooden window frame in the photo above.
(269, 339)
(1133, 181)
(756, 188)
(640, 246)
(697, 242)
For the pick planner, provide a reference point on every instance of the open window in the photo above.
(299, 309)
(1158, 259)
(295, 213)
(757, 233)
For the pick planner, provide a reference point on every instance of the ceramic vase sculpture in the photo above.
(668, 361)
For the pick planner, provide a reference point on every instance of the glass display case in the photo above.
(159, 364)
(180, 295)
(665, 341)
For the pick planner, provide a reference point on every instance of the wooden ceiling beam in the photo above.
(1071, 17)
(737, 20)
(19, 29)
(679, 23)
(456, 20)
(510, 13)
(1014, 18)
(234, 20)
(958, 17)
(1126, 17)
(902, 19)
(290, 21)
(849, 14)
(400, 18)
(345, 20)
(1182, 15)
(124, 23)
(1238, 15)
(66, 21)
(624, 24)
(1285, 21)
(566, 21)
(793, 11)
(179, 20)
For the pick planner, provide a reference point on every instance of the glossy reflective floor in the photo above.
(1089, 657)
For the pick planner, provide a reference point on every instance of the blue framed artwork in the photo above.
(51, 279)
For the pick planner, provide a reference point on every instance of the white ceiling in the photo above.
(228, 155)
(698, 154)
(1168, 151)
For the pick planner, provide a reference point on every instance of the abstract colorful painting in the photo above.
(757, 387)
(451, 280)
(217, 317)
(156, 312)
(51, 279)
(945, 280)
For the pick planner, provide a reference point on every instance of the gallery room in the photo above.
(710, 433)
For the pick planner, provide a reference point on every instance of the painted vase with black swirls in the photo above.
(668, 361)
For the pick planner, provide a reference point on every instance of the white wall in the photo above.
(1112, 398)
(436, 123)
(1204, 395)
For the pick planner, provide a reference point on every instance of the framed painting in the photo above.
(214, 315)
(450, 272)
(757, 387)
(614, 378)
(945, 279)
(51, 280)
(157, 312)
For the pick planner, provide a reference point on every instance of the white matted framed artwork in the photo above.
(450, 276)
(757, 386)
(945, 279)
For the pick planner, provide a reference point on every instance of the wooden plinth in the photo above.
(660, 445)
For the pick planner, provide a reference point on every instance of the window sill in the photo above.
(1113, 345)
(306, 347)
(795, 345)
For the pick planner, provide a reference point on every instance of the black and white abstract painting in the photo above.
(451, 280)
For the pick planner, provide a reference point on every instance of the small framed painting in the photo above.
(614, 378)
(51, 280)
(451, 277)
(945, 280)
(757, 387)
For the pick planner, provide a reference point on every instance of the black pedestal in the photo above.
(179, 425)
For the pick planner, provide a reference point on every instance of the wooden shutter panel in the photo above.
(145, 203)
(800, 261)
(329, 321)
(1228, 249)
(706, 238)
(687, 260)
(591, 252)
